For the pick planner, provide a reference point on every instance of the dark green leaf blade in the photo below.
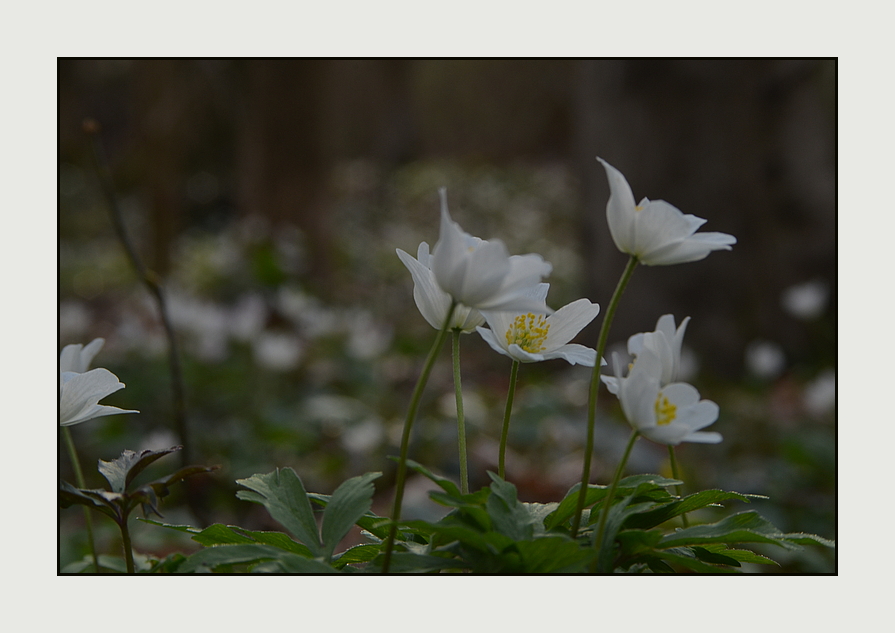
(121, 471)
(350, 501)
(284, 496)
(744, 527)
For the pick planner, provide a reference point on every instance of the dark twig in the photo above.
(149, 278)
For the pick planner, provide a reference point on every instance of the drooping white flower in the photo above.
(432, 301)
(481, 274)
(668, 414)
(656, 232)
(80, 390)
(665, 342)
(530, 337)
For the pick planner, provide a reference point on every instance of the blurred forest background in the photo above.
(270, 195)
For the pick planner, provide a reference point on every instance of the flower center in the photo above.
(528, 332)
(638, 208)
(665, 411)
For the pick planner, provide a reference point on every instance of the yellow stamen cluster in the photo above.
(528, 332)
(665, 411)
(638, 208)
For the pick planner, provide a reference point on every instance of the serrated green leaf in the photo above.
(651, 486)
(348, 504)
(554, 555)
(676, 508)
(410, 563)
(445, 484)
(745, 527)
(686, 559)
(567, 506)
(213, 557)
(101, 500)
(284, 496)
(219, 534)
(801, 538)
(741, 555)
(651, 480)
(714, 557)
(618, 512)
(358, 554)
(635, 542)
(293, 564)
(508, 516)
(121, 471)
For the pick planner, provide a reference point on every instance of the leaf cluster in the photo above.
(121, 499)
(488, 531)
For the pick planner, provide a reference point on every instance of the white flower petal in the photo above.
(481, 274)
(77, 358)
(492, 340)
(574, 354)
(569, 320)
(432, 301)
(620, 209)
(656, 232)
(701, 437)
(659, 224)
(80, 393)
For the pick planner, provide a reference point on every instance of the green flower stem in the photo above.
(505, 432)
(126, 544)
(79, 477)
(461, 423)
(595, 390)
(405, 437)
(674, 473)
(607, 502)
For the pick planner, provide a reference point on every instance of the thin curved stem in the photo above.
(595, 390)
(405, 437)
(607, 501)
(152, 282)
(79, 477)
(505, 431)
(676, 475)
(461, 422)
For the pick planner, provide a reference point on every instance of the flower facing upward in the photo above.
(480, 274)
(667, 414)
(432, 301)
(665, 342)
(657, 233)
(530, 337)
(81, 390)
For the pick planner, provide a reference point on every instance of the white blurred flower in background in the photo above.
(807, 300)
(765, 359)
(820, 394)
(277, 351)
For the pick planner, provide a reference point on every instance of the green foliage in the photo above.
(487, 531)
(119, 502)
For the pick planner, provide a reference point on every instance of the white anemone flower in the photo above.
(530, 337)
(481, 274)
(432, 301)
(81, 390)
(656, 232)
(668, 414)
(77, 358)
(665, 342)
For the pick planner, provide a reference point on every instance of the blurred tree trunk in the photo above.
(280, 155)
